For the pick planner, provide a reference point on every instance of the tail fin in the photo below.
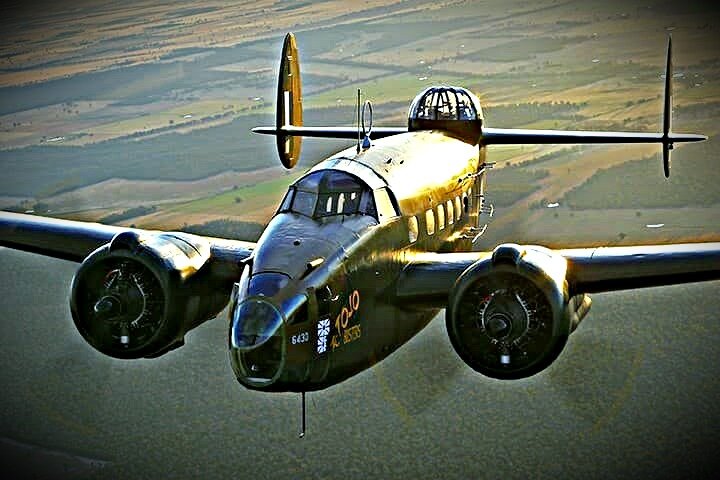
(288, 128)
(289, 103)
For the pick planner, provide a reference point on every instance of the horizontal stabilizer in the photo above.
(513, 136)
(350, 133)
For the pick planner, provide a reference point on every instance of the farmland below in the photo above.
(147, 108)
(138, 113)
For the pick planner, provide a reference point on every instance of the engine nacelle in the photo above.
(138, 295)
(510, 316)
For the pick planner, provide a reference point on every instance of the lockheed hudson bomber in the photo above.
(364, 250)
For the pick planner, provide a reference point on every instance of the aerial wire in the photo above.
(302, 415)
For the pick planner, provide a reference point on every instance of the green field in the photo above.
(694, 180)
(387, 89)
(524, 49)
(511, 184)
(641, 366)
(226, 228)
(236, 201)
(44, 171)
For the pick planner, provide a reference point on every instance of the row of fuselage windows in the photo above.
(447, 214)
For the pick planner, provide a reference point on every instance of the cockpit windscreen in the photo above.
(327, 193)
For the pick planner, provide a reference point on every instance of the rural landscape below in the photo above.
(139, 113)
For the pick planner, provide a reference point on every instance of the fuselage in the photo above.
(316, 303)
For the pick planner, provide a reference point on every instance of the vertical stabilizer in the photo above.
(667, 111)
(289, 103)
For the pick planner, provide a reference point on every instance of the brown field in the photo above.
(62, 34)
(110, 194)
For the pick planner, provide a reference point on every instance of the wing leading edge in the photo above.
(430, 277)
(74, 241)
(605, 269)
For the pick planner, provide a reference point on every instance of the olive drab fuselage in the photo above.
(339, 272)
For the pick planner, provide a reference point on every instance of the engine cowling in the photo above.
(138, 295)
(510, 315)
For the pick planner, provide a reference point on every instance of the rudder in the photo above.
(289, 103)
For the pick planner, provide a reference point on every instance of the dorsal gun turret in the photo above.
(452, 109)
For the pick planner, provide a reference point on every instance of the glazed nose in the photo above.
(256, 342)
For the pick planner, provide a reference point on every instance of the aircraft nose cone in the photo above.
(254, 322)
(257, 342)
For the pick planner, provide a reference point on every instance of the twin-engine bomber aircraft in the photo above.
(363, 251)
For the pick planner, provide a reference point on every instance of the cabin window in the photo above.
(430, 221)
(441, 217)
(458, 208)
(413, 229)
(450, 213)
(384, 204)
(466, 206)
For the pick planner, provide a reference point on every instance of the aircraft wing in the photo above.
(430, 277)
(137, 292)
(74, 241)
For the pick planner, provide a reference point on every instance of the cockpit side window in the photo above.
(287, 201)
(367, 204)
(385, 206)
(304, 202)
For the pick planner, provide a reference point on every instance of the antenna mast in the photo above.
(357, 149)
